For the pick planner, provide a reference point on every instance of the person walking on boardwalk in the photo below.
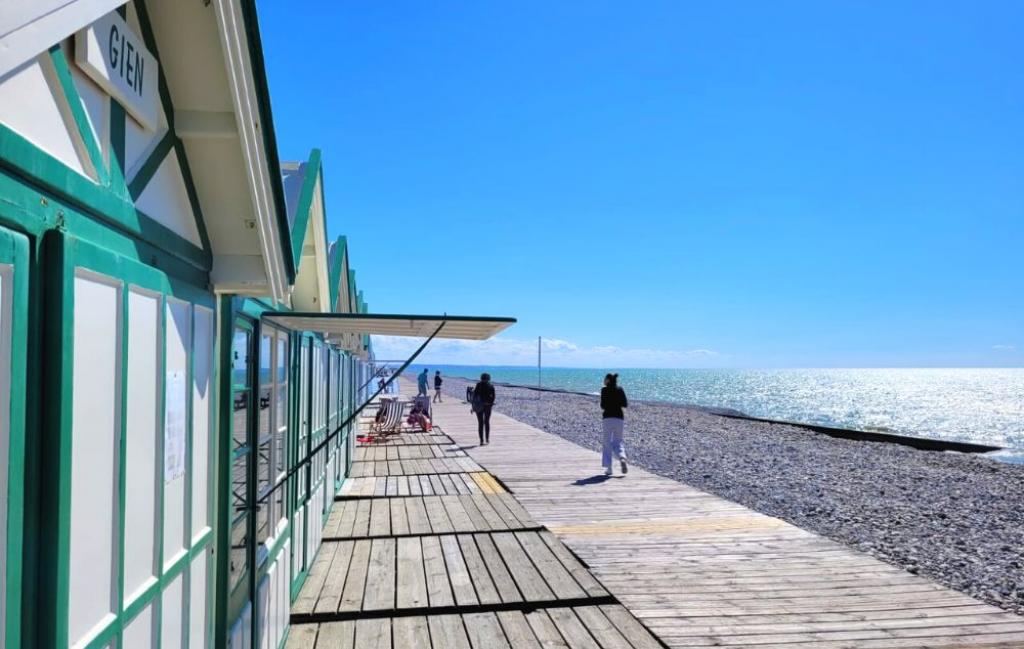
(613, 400)
(483, 401)
(421, 383)
(437, 387)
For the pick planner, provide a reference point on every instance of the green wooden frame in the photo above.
(338, 269)
(304, 208)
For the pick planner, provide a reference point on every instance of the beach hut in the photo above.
(297, 391)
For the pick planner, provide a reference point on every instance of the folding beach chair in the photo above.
(388, 406)
(393, 419)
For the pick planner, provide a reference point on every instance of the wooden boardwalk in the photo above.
(698, 570)
(424, 549)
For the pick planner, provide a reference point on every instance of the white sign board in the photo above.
(115, 57)
(176, 409)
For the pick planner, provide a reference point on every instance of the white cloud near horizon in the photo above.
(556, 353)
(1004, 348)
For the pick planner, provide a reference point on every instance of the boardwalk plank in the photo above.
(399, 518)
(373, 634)
(486, 508)
(380, 517)
(410, 632)
(380, 586)
(439, 591)
(601, 628)
(529, 581)
(458, 573)
(448, 631)
(361, 525)
(337, 635)
(482, 582)
(500, 575)
(310, 592)
(416, 512)
(518, 630)
(485, 631)
(545, 630)
(583, 576)
(302, 636)
(630, 628)
(461, 522)
(477, 519)
(557, 577)
(355, 582)
(330, 594)
(439, 521)
(412, 582)
(572, 630)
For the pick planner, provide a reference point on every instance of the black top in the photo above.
(437, 381)
(613, 400)
(484, 392)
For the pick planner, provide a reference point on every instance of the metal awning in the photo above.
(391, 324)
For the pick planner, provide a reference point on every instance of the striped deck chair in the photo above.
(378, 424)
(394, 419)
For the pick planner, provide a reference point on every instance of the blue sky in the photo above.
(738, 184)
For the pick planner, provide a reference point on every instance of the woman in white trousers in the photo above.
(613, 400)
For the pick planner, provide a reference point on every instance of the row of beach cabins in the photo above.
(157, 487)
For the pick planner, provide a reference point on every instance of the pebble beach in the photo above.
(952, 517)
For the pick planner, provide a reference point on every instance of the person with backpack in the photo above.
(483, 401)
(613, 400)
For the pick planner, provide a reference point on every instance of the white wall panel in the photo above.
(141, 431)
(272, 577)
(202, 384)
(284, 584)
(199, 602)
(96, 103)
(178, 332)
(262, 610)
(33, 106)
(94, 467)
(172, 620)
(165, 199)
(140, 632)
(297, 536)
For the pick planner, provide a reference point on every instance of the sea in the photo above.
(975, 405)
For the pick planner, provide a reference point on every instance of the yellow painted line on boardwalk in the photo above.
(671, 526)
(487, 483)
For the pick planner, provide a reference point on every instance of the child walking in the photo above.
(613, 400)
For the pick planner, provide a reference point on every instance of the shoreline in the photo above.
(952, 517)
(1013, 456)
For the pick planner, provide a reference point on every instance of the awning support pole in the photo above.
(341, 427)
